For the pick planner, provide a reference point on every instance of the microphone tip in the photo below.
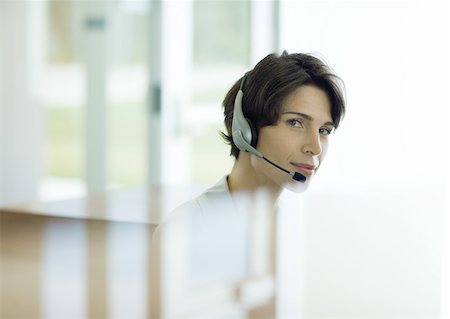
(299, 177)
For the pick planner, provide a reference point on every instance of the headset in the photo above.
(245, 136)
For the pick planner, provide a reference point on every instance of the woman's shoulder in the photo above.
(217, 196)
(214, 201)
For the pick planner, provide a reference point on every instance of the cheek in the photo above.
(324, 151)
(273, 140)
(266, 140)
(277, 148)
(324, 148)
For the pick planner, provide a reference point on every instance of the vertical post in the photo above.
(170, 66)
(22, 57)
(264, 29)
(170, 62)
(96, 28)
(155, 102)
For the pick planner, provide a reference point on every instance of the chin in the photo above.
(297, 187)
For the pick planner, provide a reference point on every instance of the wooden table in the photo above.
(92, 257)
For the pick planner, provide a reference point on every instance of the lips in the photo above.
(306, 168)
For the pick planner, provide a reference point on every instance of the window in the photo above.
(126, 71)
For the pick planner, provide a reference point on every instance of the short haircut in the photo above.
(273, 79)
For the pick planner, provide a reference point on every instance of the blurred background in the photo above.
(102, 94)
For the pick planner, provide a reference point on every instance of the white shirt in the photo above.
(209, 201)
(214, 232)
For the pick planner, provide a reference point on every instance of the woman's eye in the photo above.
(295, 123)
(325, 131)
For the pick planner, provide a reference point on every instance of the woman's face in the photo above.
(298, 142)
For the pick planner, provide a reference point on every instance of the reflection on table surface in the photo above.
(364, 257)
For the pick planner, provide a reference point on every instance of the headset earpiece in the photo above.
(244, 134)
(254, 133)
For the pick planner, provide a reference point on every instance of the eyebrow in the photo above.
(307, 117)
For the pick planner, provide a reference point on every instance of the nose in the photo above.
(312, 144)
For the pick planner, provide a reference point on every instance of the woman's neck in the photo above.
(244, 178)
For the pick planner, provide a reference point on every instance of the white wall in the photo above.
(362, 256)
(373, 244)
(22, 52)
(394, 59)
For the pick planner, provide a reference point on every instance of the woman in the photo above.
(278, 117)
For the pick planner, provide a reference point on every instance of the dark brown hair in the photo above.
(272, 80)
